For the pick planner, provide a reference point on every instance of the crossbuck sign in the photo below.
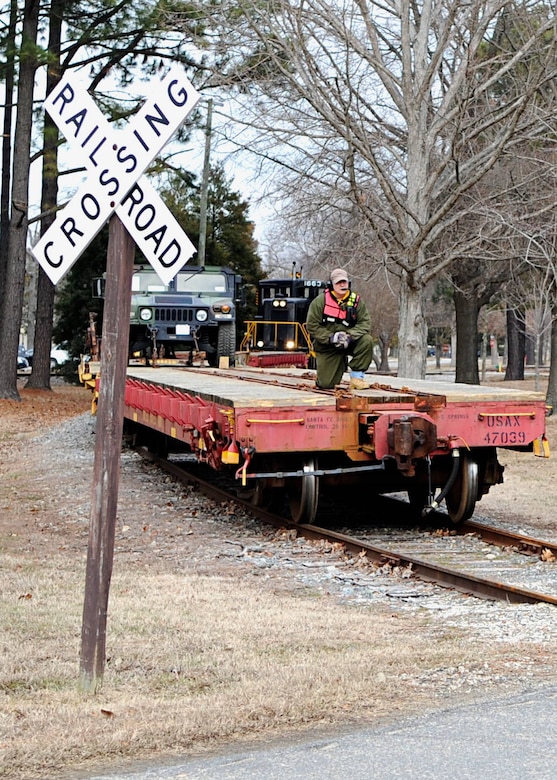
(116, 161)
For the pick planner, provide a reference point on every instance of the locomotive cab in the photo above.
(282, 306)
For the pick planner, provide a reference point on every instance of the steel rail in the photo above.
(525, 544)
(430, 572)
(424, 570)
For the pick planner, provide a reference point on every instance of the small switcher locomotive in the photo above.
(279, 325)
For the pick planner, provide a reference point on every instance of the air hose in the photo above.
(450, 482)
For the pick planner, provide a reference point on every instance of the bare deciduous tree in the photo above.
(400, 108)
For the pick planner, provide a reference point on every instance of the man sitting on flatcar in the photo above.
(339, 323)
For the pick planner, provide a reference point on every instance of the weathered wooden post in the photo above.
(106, 473)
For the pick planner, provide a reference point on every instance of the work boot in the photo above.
(358, 384)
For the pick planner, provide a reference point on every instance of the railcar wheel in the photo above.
(303, 494)
(461, 498)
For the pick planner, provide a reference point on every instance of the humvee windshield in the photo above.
(212, 283)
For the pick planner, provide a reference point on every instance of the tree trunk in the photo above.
(412, 360)
(384, 342)
(10, 321)
(467, 310)
(516, 340)
(40, 374)
(551, 398)
(9, 71)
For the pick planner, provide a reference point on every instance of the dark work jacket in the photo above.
(320, 329)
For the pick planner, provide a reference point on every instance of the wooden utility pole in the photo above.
(202, 249)
(106, 475)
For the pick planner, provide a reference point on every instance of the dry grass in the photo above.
(194, 660)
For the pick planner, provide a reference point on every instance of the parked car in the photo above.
(58, 356)
(22, 362)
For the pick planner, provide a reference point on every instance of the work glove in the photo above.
(340, 339)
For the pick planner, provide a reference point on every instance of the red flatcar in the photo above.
(282, 436)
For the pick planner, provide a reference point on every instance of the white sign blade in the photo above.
(158, 119)
(155, 230)
(73, 230)
(127, 152)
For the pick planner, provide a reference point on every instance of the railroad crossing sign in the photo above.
(116, 161)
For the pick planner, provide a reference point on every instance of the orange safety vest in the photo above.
(344, 314)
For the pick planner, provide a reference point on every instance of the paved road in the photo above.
(509, 739)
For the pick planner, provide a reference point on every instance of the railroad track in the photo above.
(476, 559)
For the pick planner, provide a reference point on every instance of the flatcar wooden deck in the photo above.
(259, 387)
(460, 392)
(232, 387)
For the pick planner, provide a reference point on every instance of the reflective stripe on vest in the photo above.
(344, 314)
